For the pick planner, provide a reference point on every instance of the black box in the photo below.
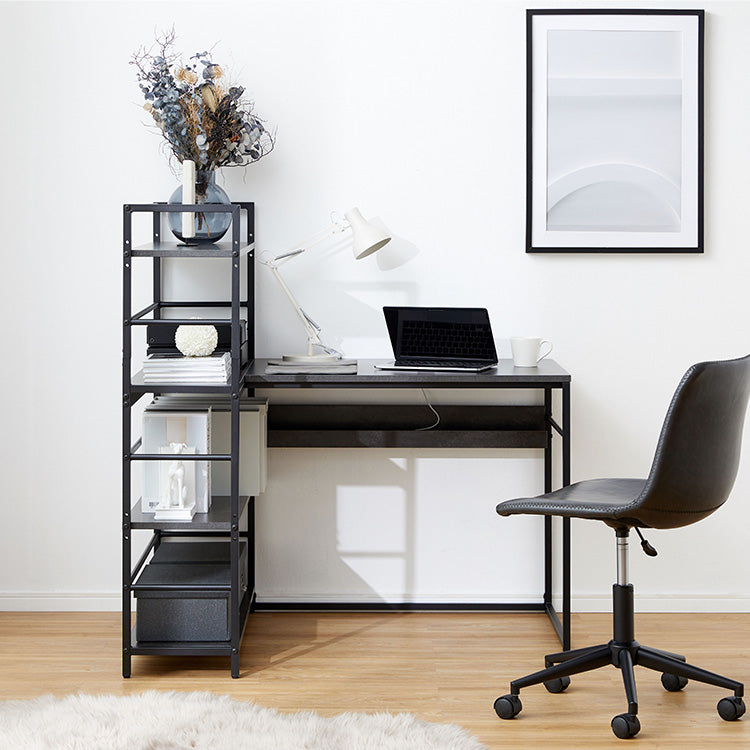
(162, 334)
(160, 338)
(169, 616)
(195, 552)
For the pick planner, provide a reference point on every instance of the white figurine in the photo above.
(176, 489)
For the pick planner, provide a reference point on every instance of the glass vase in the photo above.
(210, 226)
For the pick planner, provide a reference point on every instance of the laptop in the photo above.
(453, 339)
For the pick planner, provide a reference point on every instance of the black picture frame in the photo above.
(593, 182)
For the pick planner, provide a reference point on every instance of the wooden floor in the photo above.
(444, 667)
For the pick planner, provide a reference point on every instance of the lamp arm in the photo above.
(273, 263)
(304, 245)
(310, 325)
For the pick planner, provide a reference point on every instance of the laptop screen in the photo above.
(440, 333)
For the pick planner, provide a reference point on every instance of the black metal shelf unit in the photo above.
(231, 518)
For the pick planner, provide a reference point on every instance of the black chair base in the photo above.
(623, 652)
(675, 675)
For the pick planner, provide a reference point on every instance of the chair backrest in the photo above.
(698, 453)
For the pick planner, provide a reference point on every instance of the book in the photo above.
(175, 514)
(280, 366)
(176, 368)
(302, 369)
(197, 379)
(188, 370)
(171, 362)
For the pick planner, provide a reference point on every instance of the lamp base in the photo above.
(311, 359)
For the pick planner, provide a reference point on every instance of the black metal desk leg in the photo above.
(548, 488)
(566, 521)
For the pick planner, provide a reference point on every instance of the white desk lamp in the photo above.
(366, 239)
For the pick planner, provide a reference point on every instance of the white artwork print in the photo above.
(615, 131)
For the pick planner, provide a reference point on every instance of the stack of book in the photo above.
(177, 369)
(323, 367)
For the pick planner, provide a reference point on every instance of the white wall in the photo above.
(415, 112)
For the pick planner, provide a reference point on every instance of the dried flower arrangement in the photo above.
(201, 117)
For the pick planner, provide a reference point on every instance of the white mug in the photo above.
(527, 351)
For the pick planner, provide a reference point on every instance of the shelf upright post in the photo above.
(250, 270)
(156, 276)
(234, 480)
(126, 434)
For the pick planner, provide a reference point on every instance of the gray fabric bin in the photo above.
(175, 615)
(169, 616)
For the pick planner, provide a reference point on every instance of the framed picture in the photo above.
(614, 131)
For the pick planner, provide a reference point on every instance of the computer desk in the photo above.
(355, 425)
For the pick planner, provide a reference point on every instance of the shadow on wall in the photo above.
(374, 526)
(331, 530)
(345, 309)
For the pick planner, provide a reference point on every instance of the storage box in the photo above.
(253, 438)
(160, 338)
(162, 429)
(253, 449)
(169, 616)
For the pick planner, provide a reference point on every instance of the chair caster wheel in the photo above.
(557, 685)
(730, 709)
(508, 706)
(673, 682)
(626, 725)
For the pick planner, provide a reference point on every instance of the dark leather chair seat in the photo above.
(606, 500)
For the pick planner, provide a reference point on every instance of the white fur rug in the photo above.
(202, 721)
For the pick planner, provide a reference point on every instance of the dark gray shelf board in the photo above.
(179, 648)
(218, 517)
(175, 249)
(144, 321)
(138, 386)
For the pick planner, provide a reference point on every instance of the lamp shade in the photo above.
(367, 238)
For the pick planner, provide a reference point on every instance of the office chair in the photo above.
(693, 472)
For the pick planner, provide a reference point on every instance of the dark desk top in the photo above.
(505, 375)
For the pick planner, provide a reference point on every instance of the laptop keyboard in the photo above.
(460, 364)
(446, 340)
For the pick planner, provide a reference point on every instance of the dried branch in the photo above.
(198, 116)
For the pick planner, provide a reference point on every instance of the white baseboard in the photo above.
(708, 603)
(73, 602)
(107, 602)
